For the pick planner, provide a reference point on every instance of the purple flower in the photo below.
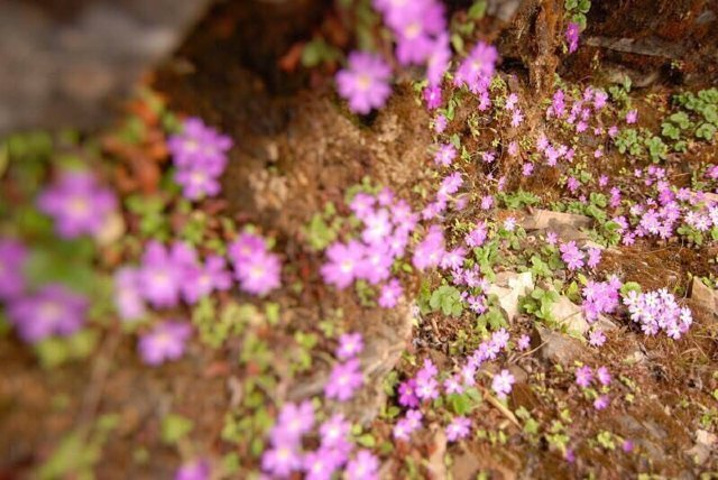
(364, 466)
(476, 70)
(407, 394)
(344, 263)
(524, 342)
(196, 470)
(604, 376)
(260, 274)
(432, 97)
(77, 203)
(584, 376)
(199, 145)
(12, 259)
(430, 251)
(440, 123)
(572, 32)
(658, 311)
(293, 422)
(197, 182)
(167, 341)
(281, 461)
(390, 294)
(344, 380)
(246, 246)
(128, 294)
(203, 280)
(438, 61)
(53, 310)
(365, 82)
(407, 425)
(453, 385)
(601, 402)
(458, 429)
(571, 255)
(350, 345)
(632, 116)
(415, 29)
(594, 257)
(160, 276)
(477, 236)
(502, 383)
(320, 465)
(445, 155)
(334, 435)
(596, 338)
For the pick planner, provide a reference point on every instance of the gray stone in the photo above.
(65, 62)
(568, 314)
(704, 295)
(508, 287)
(556, 347)
(548, 220)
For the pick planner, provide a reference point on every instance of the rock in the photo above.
(705, 443)
(704, 295)
(568, 314)
(436, 465)
(556, 347)
(548, 220)
(508, 287)
(65, 62)
(465, 465)
(566, 225)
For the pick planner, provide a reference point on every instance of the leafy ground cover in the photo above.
(426, 269)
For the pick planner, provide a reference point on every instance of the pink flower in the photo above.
(584, 376)
(167, 341)
(77, 204)
(350, 345)
(458, 429)
(604, 376)
(344, 380)
(572, 32)
(345, 261)
(432, 97)
(632, 116)
(502, 383)
(445, 155)
(365, 82)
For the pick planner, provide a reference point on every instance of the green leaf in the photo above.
(706, 131)
(175, 427)
(477, 10)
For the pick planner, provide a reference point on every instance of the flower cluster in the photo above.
(386, 227)
(286, 454)
(165, 277)
(199, 154)
(425, 386)
(346, 378)
(585, 377)
(77, 204)
(575, 259)
(601, 297)
(658, 311)
(257, 269)
(476, 72)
